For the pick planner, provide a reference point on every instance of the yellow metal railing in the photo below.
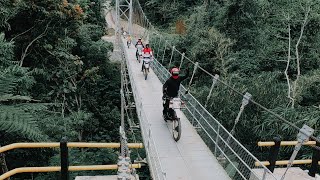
(70, 144)
(58, 168)
(285, 162)
(66, 167)
(285, 143)
(274, 151)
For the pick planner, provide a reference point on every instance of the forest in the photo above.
(56, 81)
(267, 48)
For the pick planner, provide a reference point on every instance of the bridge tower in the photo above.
(124, 10)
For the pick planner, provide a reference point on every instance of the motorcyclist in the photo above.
(128, 40)
(139, 45)
(146, 53)
(171, 87)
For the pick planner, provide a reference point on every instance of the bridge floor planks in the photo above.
(187, 159)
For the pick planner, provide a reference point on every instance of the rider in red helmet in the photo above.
(146, 53)
(171, 87)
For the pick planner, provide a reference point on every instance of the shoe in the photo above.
(165, 117)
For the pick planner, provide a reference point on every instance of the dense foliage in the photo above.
(55, 81)
(267, 48)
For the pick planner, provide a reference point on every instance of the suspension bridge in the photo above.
(206, 150)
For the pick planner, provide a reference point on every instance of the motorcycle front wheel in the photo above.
(176, 129)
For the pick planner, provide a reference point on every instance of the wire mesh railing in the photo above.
(150, 146)
(231, 154)
(236, 159)
(159, 39)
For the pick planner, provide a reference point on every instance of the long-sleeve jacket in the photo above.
(171, 86)
(139, 45)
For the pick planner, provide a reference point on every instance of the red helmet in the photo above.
(175, 73)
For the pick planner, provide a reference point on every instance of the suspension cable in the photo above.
(227, 85)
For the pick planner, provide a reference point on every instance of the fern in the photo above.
(6, 50)
(7, 84)
(16, 120)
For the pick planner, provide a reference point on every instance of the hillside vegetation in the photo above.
(56, 80)
(267, 48)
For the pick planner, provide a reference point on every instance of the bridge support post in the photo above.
(214, 81)
(164, 51)
(173, 47)
(3, 165)
(181, 61)
(273, 155)
(158, 49)
(314, 164)
(64, 159)
(124, 171)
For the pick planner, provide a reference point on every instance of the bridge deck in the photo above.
(187, 159)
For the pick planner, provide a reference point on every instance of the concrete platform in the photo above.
(96, 178)
(294, 173)
(111, 177)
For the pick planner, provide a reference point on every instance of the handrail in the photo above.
(285, 162)
(155, 166)
(58, 168)
(70, 144)
(274, 152)
(284, 143)
(245, 157)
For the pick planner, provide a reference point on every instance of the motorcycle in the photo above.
(139, 55)
(128, 44)
(174, 114)
(139, 52)
(146, 66)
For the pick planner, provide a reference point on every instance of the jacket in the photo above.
(171, 86)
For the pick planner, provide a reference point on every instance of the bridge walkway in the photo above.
(187, 159)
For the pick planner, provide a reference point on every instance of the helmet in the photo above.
(139, 39)
(175, 73)
(147, 45)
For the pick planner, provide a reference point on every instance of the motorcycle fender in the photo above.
(179, 113)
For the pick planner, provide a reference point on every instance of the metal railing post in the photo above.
(158, 49)
(173, 47)
(3, 165)
(217, 139)
(214, 81)
(164, 51)
(314, 164)
(273, 155)
(182, 57)
(64, 159)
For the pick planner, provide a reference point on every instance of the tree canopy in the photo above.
(56, 80)
(267, 48)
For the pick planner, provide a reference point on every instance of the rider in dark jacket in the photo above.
(139, 45)
(171, 87)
